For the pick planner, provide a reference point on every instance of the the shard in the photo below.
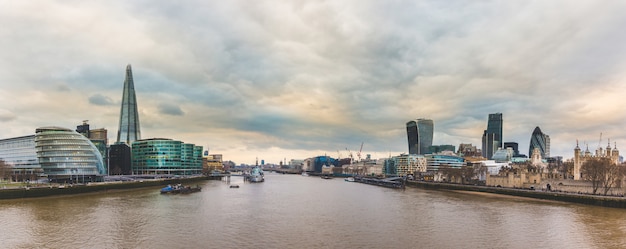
(128, 131)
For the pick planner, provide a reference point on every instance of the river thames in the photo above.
(292, 211)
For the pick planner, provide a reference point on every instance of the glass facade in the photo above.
(166, 156)
(541, 141)
(64, 152)
(434, 162)
(19, 154)
(129, 118)
(420, 136)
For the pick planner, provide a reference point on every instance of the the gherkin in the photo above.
(128, 131)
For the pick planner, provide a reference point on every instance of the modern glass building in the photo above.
(63, 152)
(494, 126)
(19, 154)
(541, 141)
(129, 131)
(435, 162)
(321, 161)
(492, 136)
(165, 156)
(420, 136)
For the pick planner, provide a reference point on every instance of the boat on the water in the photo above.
(305, 174)
(234, 186)
(349, 179)
(256, 175)
(180, 189)
(327, 177)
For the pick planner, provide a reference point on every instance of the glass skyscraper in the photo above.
(492, 136)
(420, 136)
(494, 126)
(541, 141)
(128, 131)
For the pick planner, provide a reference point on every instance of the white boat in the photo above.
(305, 174)
(349, 179)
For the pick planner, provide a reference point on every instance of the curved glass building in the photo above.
(420, 136)
(541, 141)
(64, 152)
(165, 156)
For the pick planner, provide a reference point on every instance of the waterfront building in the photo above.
(98, 137)
(438, 161)
(119, 159)
(211, 163)
(64, 153)
(420, 136)
(540, 141)
(20, 158)
(129, 129)
(581, 157)
(320, 161)
(165, 156)
(405, 164)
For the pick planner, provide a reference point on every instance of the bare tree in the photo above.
(567, 168)
(614, 174)
(601, 172)
(5, 170)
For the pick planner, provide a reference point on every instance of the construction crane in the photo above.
(358, 154)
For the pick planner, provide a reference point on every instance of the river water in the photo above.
(292, 211)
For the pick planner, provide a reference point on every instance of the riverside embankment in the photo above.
(45, 191)
(597, 200)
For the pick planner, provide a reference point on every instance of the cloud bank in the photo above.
(290, 80)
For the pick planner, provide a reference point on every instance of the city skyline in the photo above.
(296, 80)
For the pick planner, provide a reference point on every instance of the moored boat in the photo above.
(349, 179)
(256, 175)
(180, 189)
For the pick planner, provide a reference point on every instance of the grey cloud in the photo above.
(6, 116)
(99, 99)
(170, 109)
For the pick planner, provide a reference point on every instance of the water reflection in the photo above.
(291, 211)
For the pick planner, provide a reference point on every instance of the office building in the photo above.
(165, 156)
(420, 136)
(514, 146)
(492, 136)
(119, 159)
(494, 126)
(20, 158)
(541, 141)
(129, 131)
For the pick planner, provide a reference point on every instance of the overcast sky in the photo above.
(295, 79)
